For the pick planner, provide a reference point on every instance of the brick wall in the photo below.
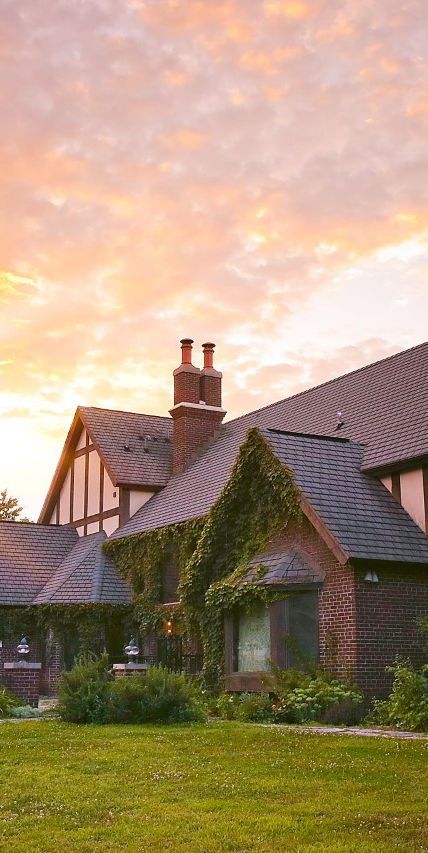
(192, 428)
(363, 626)
(51, 657)
(387, 617)
(24, 684)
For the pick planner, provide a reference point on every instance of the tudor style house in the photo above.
(350, 575)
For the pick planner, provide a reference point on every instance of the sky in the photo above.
(251, 172)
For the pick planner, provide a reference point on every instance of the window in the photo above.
(301, 626)
(286, 633)
(252, 640)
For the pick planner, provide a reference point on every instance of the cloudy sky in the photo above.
(252, 172)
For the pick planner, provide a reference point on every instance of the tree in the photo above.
(9, 508)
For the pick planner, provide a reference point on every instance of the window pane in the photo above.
(254, 640)
(302, 627)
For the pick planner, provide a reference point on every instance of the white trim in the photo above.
(201, 406)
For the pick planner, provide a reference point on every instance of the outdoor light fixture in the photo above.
(169, 627)
(371, 577)
(131, 650)
(23, 648)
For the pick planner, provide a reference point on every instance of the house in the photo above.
(295, 532)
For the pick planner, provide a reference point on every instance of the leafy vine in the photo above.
(213, 552)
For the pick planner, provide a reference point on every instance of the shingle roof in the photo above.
(29, 554)
(192, 493)
(146, 463)
(384, 406)
(85, 575)
(283, 568)
(357, 509)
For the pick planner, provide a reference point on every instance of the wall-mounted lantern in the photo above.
(371, 577)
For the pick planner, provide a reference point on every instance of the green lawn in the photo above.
(220, 787)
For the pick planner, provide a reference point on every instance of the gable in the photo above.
(106, 453)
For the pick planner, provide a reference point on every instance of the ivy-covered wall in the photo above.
(212, 553)
(89, 623)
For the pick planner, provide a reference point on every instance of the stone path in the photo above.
(337, 730)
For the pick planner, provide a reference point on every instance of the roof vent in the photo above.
(340, 422)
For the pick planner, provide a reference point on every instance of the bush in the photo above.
(254, 708)
(7, 702)
(84, 691)
(159, 696)
(25, 712)
(311, 702)
(407, 705)
(225, 706)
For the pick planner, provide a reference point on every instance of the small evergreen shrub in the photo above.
(7, 702)
(159, 696)
(84, 691)
(407, 705)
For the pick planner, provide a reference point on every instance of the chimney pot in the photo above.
(208, 354)
(186, 350)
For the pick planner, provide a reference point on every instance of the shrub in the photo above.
(25, 712)
(310, 702)
(225, 706)
(254, 708)
(7, 702)
(159, 696)
(407, 705)
(83, 691)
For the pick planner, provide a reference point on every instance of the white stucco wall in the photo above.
(79, 488)
(412, 495)
(387, 482)
(82, 440)
(64, 500)
(93, 528)
(137, 499)
(94, 483)
(110, 524)
(111, 493)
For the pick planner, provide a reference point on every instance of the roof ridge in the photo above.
(23, 523)
(328, 382)
(124, 412)
(98, 578)
(320, 436)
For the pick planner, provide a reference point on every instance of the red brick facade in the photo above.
(193, 427)
(387, 622)
(197, 411)
(23, 680)
(50, 657)
(363, 626)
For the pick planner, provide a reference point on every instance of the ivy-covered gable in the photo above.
(258, 500)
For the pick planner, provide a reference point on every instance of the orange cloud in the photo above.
(254, 172)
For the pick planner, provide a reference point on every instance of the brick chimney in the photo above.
(197, 411)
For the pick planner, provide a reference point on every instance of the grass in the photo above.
(221, 787)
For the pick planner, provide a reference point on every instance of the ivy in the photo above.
(213, 552)
(88, 621)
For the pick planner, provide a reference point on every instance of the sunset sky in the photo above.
(252, 173)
